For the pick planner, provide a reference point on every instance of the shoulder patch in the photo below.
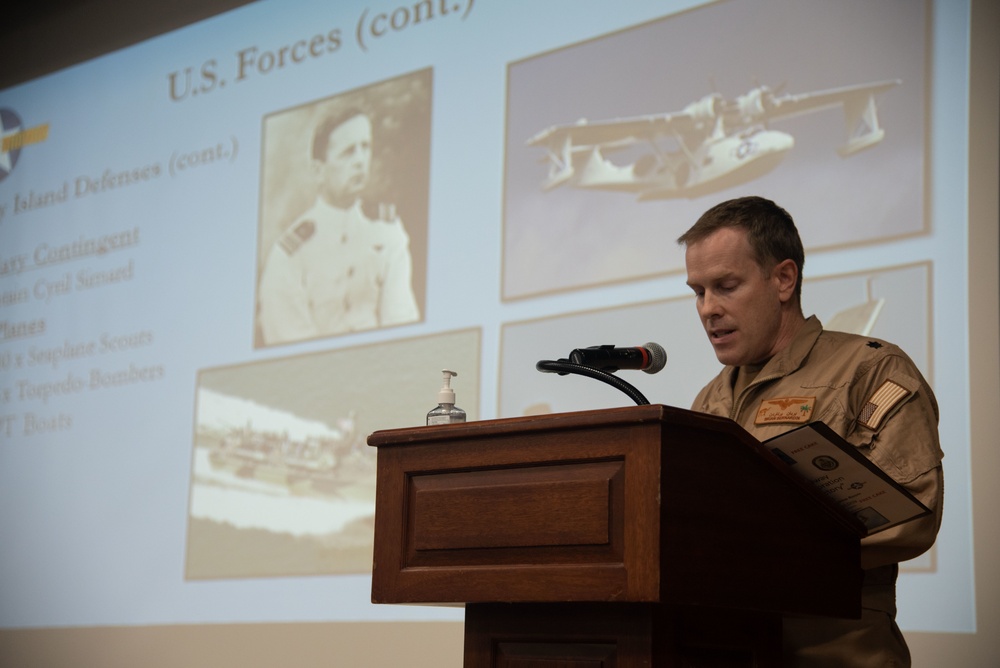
(885, 398)
(387, 212)
(381, 212)
(293, 239)
(795, 410)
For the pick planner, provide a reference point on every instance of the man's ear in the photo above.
(786, 275)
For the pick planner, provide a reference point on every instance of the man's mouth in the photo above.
(718, 335)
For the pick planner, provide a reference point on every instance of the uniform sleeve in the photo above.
(397, 304)
(896, 426)
(909, 540)
(284, 306)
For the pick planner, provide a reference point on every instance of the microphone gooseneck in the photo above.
(600, 363)
(563, 367)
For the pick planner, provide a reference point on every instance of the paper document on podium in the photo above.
(838, 470)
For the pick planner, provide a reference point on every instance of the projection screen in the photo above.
(182, 427)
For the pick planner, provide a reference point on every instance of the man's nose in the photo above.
(708, 306)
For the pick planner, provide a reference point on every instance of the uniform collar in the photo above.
(790, 358)
(326, 207)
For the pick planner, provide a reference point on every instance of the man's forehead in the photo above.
(723, 253)
(354, 129)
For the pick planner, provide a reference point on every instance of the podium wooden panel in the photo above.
(640, 536)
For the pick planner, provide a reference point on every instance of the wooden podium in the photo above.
(641, 536)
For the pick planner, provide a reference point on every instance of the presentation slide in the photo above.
(230, 253)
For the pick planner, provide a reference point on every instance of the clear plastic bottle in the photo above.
(446, 412)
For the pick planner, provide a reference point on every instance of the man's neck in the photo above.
(343, 203)
(791, 322)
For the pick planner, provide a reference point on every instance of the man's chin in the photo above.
(728, 357)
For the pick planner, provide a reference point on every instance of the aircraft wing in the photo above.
(613, 133)
(793, 105)
(860, 111)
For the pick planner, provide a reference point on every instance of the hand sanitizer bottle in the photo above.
(446, 411)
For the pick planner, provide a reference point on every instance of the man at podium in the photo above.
(744, 261)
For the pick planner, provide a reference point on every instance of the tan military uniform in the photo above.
(335, 271)
(872, 394)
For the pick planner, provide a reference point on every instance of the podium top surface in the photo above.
(555, 421)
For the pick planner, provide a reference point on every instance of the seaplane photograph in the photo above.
(712, 144)
(616, 145)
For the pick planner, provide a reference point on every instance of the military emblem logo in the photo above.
(14, 137)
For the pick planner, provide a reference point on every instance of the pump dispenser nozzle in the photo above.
(447, 395)
(446, 411)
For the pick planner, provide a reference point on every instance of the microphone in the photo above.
(650, 357)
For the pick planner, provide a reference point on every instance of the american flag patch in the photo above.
(884, 400)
